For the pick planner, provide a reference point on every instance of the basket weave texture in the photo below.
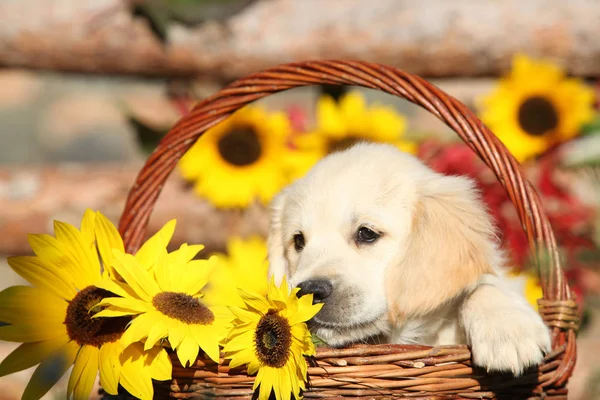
(375, 371)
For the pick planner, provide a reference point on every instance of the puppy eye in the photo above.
(299, 241)
(366, 235)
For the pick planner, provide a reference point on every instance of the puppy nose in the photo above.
(320, 289)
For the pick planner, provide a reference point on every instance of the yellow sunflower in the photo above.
(168, 303)
(271, 338)
(53, 318)
(341, 125)
(245, 267)
(535, 107)
(531, 287)
(240, 159)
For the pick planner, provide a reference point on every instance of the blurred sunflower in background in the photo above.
(271, 338)
(536, 107)
(341, 124)
(167, 302)
(245, 267)
(239, 160)
(54, 318)
(530, 285)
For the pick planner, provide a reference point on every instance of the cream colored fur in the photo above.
(434, 276)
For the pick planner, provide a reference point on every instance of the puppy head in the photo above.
(378, 238)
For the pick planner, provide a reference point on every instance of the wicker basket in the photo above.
(375, 371)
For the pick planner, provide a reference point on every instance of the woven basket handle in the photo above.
(456, 115)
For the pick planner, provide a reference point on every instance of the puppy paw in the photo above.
(508, 339)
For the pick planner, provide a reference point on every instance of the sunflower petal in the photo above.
(148, 253)
(258, 379)
(86, 259)
(187, 351)
(161, 270)
(236, 360)
(185, 253)
(31, 332)
(52, 252)
(266, 383)
(110, 367)
(116, 287)
(47, 247)
(329, 118)
(36, 272)
(239, 342)
(258, 303)
(107, 238)
(139, 328)
(157, 332)
(21, 305)
(208, 339)
(88, 224)
(50, 371)
(284, 387)
(176, 333)
(353, 107)
(160, 364)
(306, 310)
(29, 354)
(245, 315)
(137, 382)
(200, 272)
(86, 381)
(177, 262)
(254, 365)
(114, 312)
(219, 290)
(84, 355)
(135, 275)
(134, 305)
(135, 374)
(244, 357)
(292, 377)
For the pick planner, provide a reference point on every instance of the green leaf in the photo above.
(317, 341)
(591, 128)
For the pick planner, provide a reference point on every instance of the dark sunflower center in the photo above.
(183, 307)
(273, 339)
(84, 329)
(240, 146)
(537, 116)
(342, 144)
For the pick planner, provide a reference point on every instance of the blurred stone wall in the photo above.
(72, 141)
(431, 38)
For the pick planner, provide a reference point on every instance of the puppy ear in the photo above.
(452, 244)
(277, 263)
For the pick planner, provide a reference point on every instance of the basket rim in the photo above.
(381, 369)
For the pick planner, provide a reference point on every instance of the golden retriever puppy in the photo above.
(399, 252)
